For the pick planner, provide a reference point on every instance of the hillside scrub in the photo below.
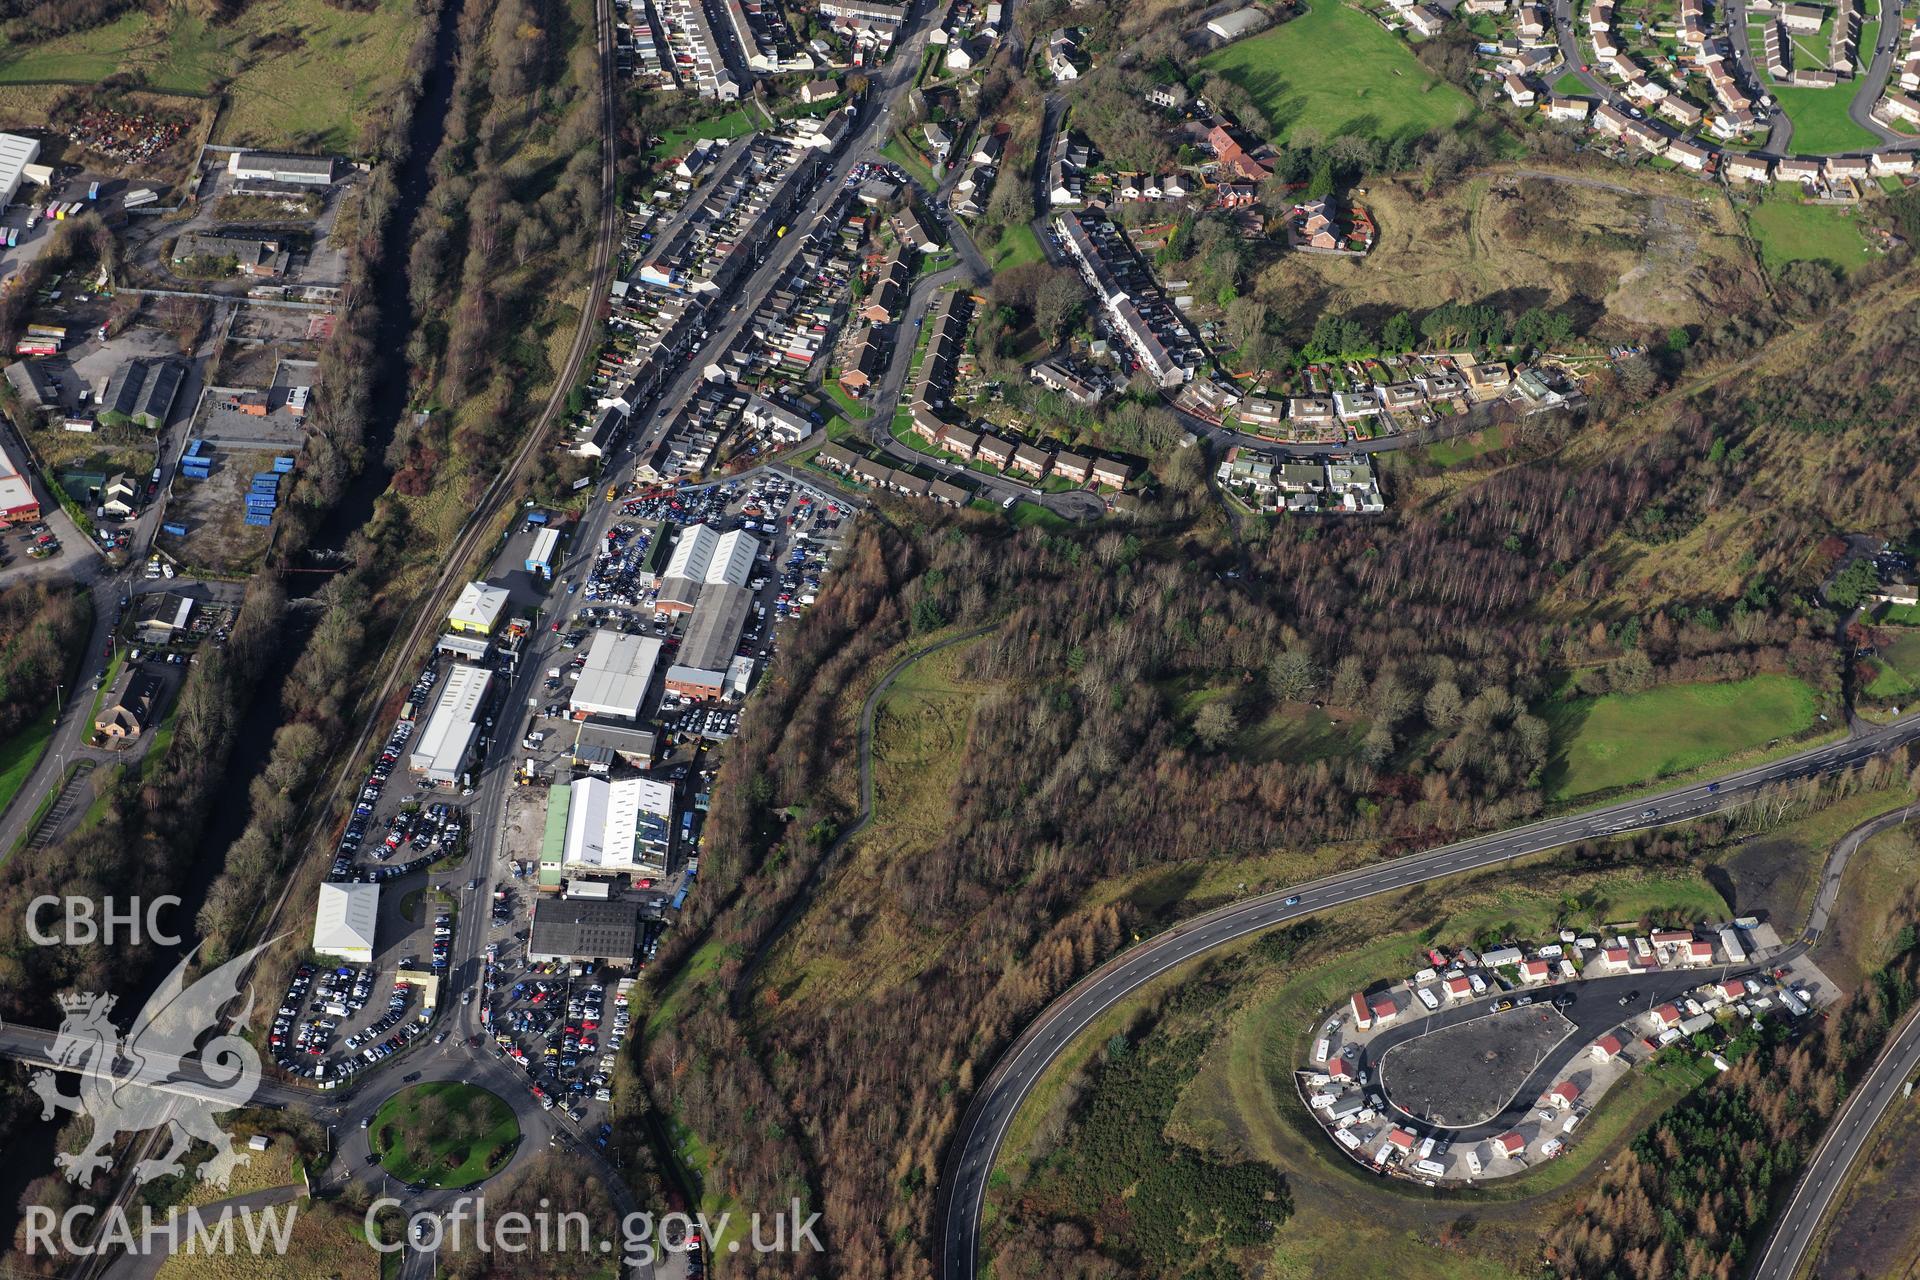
(1571, 567)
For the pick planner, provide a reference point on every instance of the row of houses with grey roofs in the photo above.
(1300, 486)
(1136, 311)
(935, 420)
(709, 220)
(878, 475)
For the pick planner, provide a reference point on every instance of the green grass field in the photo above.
(1623, 740)
(1024, 514)
(1335, 68)
(1898, 664)
(730, 125)
(471, 1133)
(1017, 247)
(1789, 231)
(299, 73)
(1570, 85)
(1299, 735)
(1467, 448)
(859, 410)
(909, 158)
(1821, 125)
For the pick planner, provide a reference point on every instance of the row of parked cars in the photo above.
(339, 993)
(369, 798)
(683, 506)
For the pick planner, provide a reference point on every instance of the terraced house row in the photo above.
(1138, 313)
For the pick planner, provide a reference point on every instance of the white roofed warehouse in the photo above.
(617, 675)
(619, 828)
(703, 558)
(1241, 22)
(477, 611)
(343, 923)
(283, 166)
(16, 153)
(442, 749)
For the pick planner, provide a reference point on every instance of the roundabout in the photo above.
(443, 1133)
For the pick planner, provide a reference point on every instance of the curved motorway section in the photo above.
(976, 1144)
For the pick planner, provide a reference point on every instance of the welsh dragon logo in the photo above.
(141, 1081)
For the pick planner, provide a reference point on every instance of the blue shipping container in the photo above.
(282, 465)
(177, 530)
(260, 522)
(680, 898)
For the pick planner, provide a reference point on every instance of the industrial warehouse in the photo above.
(442, 750)
(621, 828)
(617, 676)
(701, 559)
(709, 668)
(343, 923)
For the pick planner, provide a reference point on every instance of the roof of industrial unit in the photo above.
(442, 745)
(618, 670)
(714, 631)
(584, 929)
(619, 826)
(345, 917)
(705, 556)
(479, 606)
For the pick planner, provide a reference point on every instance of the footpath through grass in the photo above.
(444, 1133)
(1624, 740)
(1335, 68)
